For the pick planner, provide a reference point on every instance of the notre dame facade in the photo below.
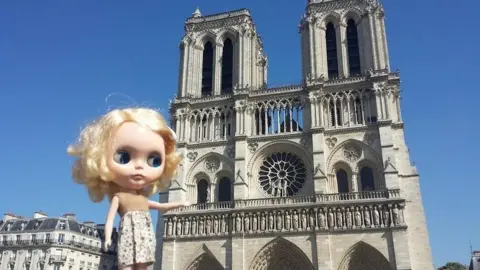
(309, 176)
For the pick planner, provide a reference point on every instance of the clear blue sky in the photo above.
(59, 60)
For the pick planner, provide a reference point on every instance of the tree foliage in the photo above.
(453, 266)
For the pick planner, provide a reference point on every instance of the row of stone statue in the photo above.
(324, 218)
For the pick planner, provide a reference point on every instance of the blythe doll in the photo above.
(128, 155)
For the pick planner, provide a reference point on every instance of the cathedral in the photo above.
(309, 176)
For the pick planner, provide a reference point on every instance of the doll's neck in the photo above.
(126, 190)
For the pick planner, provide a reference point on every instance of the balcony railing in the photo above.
(40, 242)
(330, 213)
(263, 202)
(58, 258)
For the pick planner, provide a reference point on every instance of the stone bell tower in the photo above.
(220, 53)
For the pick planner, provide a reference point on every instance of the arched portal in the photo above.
(364, 256)
(281, 254)
(205, 262)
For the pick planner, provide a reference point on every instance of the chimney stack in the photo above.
(39, 214)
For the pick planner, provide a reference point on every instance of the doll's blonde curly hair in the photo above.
(91, 150)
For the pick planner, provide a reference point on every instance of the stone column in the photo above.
(343, 67)
(217, 67)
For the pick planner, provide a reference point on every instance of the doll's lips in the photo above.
(138, 177)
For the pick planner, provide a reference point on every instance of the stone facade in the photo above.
(309, 176)
(53, 243)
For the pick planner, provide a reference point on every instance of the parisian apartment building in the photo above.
(41, 242)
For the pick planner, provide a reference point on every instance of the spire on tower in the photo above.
(197, 13)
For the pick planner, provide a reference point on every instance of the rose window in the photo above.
(282, 174)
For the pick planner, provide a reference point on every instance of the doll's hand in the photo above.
(185, 204)
(106, 245)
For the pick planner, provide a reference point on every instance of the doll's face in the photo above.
(136, 156)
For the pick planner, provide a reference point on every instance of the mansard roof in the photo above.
(47, 224)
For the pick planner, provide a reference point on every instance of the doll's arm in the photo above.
(164, 207)
(112, 211)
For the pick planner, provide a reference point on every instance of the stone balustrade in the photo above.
(326, 212)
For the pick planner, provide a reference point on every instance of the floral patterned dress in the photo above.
(136, 238)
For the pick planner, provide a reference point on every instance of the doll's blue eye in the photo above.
(122, 157)
(154, 161)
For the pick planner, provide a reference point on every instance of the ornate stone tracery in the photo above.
(364, 256)
(281, 254)
(282, 174)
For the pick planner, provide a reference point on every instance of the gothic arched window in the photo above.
(202, 191)
(225, 190)
(207, 69)
(342, 181)
(332, 56)
(353, 50)
(366, 179)
(336, 113)
(227, 66)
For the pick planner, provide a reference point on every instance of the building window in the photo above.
(61, 238)
(342, 181)
(18, 239)
(353, 49)
(34, 238)
(332, 56)
(202, 191)
(225, 190)
(366, 179)
(227, 66)
(207, 69)
(47, 237)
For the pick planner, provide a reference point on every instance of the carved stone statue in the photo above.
(386, 217)
(339, 219)
(304, 220)
(295, 220)
(169, 228)
(348, 217)
(287, 221)
(201, 226)
(270, 222)
(186, 228)
(321, 219)
(194, 226)
(215, 225)
(223, 225)
(262, 223)
(179, 227)
(312, 219)
(376, 216)
(246, 223)
(208, 228)
(279, 221)
(254, 222)
(358, 218)
(238, 224)
(366, 214)
(396, 220)
(331, 221)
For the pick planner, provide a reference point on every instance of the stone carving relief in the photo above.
(212, 164)
(370, 138)
(352, 152)
(305, 142)
(231, 152)
(252, 147)
(336, 218)
(331, 142)
(192, 156)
